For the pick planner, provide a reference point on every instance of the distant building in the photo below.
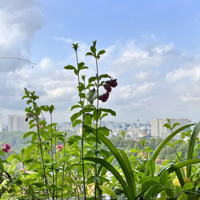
(1, 123)
(158, 129)
(17, 123)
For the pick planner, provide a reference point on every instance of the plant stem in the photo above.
(11, 180)
(82, 140)
(52, 158)
(96, 142)
(41, 151)
(64, 165)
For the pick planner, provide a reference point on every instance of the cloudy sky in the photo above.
(152, 49)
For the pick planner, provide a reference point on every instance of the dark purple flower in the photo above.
(113, 82)
(104, 97)
(6, 148)
(107, 87)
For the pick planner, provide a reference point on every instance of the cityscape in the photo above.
(134, 130)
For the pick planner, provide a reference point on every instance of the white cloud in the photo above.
(19, 20)
(191, 72)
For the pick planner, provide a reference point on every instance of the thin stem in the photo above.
(82, 140)
(11, 180)
(41, 151)
(63, 172)
(97, 113)
(56, 170)
(52, 158)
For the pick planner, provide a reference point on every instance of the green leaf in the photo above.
(167, 126)
(28, 133)
(76, 122)
(123, 162)
(113, 113)
(73, 139)
(113, 171)
(28, 160)
(183, 196)
(103, 130)
(93, 49)
(148, 181)
(191, 146)
(175, 124)
(188, 186)
(51, 109)
(70, 67)
(101, 52)
(89, 54)
(166, 140)
(151, 167)
(104, 76)
(16, 157)
(81, 66)
(75, 116)
(38, 184)
(75, 106)
(91, 79)
(107, 190)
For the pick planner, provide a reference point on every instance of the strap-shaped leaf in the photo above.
(121, 162)
(191, 146)
(107, 190)
(113, 171)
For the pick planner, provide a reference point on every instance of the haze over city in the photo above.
(152, 49)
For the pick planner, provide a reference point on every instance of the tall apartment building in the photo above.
(158, 129)
(17, 123)
(1, 123)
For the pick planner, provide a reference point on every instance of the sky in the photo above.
(152, 49)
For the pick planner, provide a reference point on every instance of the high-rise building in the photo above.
(17, 123)
(158, 129)
(1, 123)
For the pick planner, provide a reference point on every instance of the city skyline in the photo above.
(151, 49)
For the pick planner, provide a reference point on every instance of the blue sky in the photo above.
(152, 49)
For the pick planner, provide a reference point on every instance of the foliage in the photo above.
(53, 165)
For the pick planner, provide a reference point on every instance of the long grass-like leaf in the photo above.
(184, 164)
(191, 146)
(122, 163)
(128, 164)
(108, 166)
(167, 139)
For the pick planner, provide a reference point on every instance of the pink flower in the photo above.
(6, 148)
(40, 126)
(59, 147)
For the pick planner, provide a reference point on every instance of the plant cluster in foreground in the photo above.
(55, 166)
